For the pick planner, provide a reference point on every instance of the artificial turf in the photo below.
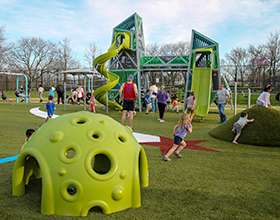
(239, 182)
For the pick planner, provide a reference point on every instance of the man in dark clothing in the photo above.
(60, 93)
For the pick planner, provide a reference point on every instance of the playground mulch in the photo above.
(238, 182)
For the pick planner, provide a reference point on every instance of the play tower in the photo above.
(127, 56)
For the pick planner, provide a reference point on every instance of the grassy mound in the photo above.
(264, 131)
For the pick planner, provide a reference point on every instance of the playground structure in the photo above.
(127, 57)
(201, 80)
(105, 168)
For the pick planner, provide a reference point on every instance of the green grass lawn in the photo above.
(239, 182)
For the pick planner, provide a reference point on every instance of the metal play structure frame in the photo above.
(26, 82)
(134, 61)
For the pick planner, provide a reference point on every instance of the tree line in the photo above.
(252, 66)
(34, 56)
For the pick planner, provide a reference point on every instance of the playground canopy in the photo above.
(81, 71)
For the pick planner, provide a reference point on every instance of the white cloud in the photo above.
(231, 23)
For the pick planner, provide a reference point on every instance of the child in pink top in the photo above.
(191, 104)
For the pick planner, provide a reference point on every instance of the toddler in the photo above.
(243, 120)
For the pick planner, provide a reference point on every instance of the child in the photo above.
(4, 96)
(175, 105)
(50, 106)
(168, 101)
(191, 103)
(148, 101)
(181, 129)
(92, 106)
(28, 133)
(51, 93)
(243, 120)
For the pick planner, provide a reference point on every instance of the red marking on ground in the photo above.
(166, 143)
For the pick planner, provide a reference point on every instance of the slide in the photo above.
(121, 41)
(201, 83)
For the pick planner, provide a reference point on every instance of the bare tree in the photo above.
(91, 52)
(272, 54)
(67, 59)
(152, 49)
(3, 49)
(239, 58)
(257, 64)
(175, 49)
(31, 54)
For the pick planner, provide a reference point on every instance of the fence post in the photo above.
(85, 86)
(249, 98)
(64, 96)
(235, 98)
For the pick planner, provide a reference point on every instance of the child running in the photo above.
(148, 101)
(92, 106)
(175, 105)
(50, 106)
(191, 104)
(243, 120)
(179, 132)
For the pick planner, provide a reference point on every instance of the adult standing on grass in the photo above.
(40, 92)
(128, 93)
(162, 97)
(223, 97)
(60, 93)
(264, 98)
(153, 96)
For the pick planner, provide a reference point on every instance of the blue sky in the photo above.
(232, 23)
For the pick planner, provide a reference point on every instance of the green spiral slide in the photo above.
(201, 83)
(121, 41)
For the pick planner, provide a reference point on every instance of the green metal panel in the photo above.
(134, 42)
(216, 63)
(178, 60)
(128, 24)
(200, 41)
(154, 61)
(146, 59)
(123, 75)
(192, 59)
(139, 21)
(186, 58)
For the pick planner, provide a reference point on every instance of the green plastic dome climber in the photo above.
(85, 160)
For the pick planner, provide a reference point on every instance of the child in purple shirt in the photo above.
(179, 132)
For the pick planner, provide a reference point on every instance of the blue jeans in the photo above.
(221, 108)
(154, 104)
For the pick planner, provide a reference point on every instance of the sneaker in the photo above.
(225, 120)
(166, 158)
(147, 113)
(161, 120)
(178, 155)
(220, 122)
